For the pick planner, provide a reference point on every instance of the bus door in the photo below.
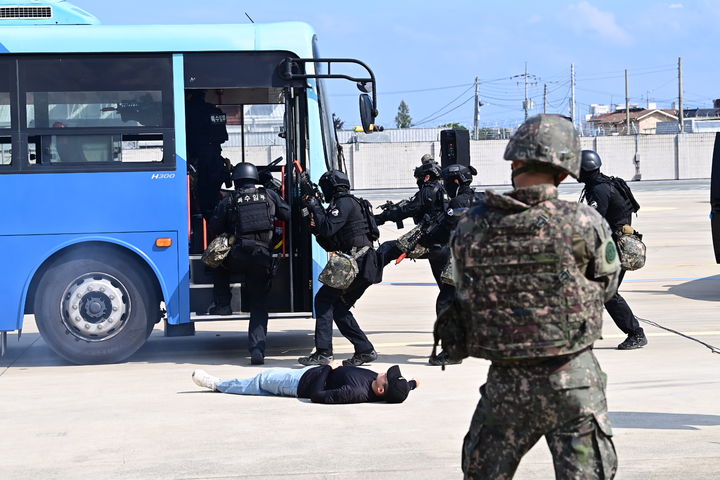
(266, 122)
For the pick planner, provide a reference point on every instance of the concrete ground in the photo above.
(146, 419)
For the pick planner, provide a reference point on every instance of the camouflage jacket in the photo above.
(533, 273)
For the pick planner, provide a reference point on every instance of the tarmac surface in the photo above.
(146, 419)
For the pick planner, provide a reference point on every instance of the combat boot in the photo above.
(635, 340)
(220, 310)
(360, 358)
(442, 359)
(316, 358)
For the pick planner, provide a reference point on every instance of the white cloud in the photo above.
(588, 17)
(675, 5)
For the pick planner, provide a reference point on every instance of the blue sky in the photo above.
(428, 52)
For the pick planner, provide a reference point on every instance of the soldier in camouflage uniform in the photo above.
(533, 273)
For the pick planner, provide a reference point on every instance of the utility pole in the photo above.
(476, 118)
(527, 104)
(545, 98)
(572, 92)
(627, 104)
(680, 95)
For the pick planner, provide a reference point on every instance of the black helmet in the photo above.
(430, 168)
(458, 172)
(245, 171)
(590, 161)
(331, 180)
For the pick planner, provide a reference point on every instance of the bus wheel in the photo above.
(96, 310)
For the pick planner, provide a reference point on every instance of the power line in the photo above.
(443, 114)
(423, 120)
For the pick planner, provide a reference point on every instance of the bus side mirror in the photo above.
(367, 113)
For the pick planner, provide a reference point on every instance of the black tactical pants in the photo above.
(438, 258)
(620, 311)
(563, 401)
(258, 280)
(333, 305)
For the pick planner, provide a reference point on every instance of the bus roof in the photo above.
(294, 37)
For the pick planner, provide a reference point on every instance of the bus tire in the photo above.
(98, 308)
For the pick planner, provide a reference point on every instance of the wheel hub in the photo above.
(95, 307)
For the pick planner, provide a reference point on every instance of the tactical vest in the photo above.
(355, 231)
(253, 212)
(432, 200)
(519, 286)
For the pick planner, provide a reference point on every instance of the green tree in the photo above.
(338, 122)
(403, 118)
(453, 125)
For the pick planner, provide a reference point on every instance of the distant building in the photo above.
(642, 120)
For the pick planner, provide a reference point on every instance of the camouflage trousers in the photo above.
(561, 400)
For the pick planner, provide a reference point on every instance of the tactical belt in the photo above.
(536, 362)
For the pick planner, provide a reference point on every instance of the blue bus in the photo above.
(96, 227)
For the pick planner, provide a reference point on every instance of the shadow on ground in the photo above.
(662, 421)
(707, 289)
(206, 348)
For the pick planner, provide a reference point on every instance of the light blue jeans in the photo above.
(273, 381)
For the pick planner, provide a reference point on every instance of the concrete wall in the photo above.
(391, 165)
(660, 157)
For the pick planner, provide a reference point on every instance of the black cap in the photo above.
(398, 388)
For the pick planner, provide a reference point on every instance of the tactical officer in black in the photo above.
(205, 131)
(341, 227)
(456, 180)
(430, 199)
(600, 193)
(427, 203)
(248, 213)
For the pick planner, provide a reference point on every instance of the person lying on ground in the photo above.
(331, 383)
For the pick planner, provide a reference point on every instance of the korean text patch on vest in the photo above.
(253, 213)
(520, 284)
(218, 119)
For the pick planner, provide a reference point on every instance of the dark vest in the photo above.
(354, 233)
(253, 214)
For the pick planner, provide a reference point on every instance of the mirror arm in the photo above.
(286, 72)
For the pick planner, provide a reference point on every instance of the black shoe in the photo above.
(442, 359)
(316, 358)
(360, 358)
(257, 358)
(634, 340)
(220, 310)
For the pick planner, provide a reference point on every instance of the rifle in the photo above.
(144, 110)
(413, 238)
(266, 178)
(307, 187)
(389, 207)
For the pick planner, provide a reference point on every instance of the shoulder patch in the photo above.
(334, 212)
(593, 204)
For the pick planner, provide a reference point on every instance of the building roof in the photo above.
(637, 115)
(702, 113)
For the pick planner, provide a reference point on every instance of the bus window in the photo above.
(89, 91)
(97, 110)
(5, 150)
(5, 113)
(73, 149)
